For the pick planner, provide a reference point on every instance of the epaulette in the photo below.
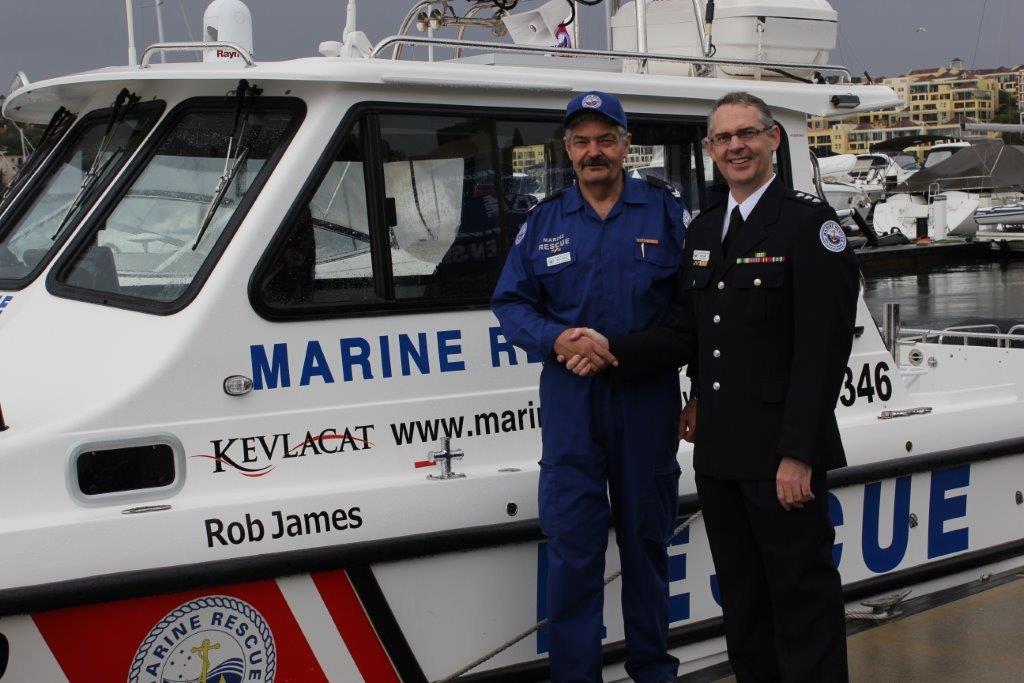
(554, 195)
(805, 198)
(710, 207)
(655, 181)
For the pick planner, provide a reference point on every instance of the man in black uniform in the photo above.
(764, 315)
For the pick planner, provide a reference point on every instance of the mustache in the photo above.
(597, 161)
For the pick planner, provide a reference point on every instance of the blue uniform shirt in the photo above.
(569, 268)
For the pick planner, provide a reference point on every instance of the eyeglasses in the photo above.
(745, 135)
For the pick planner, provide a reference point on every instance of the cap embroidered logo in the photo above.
(591, 102)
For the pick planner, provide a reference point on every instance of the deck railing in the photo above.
(394, 42)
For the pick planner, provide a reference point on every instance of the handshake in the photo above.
(584, 351)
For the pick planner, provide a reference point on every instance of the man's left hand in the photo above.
(793, 483)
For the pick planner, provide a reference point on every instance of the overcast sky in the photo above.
(46, 38)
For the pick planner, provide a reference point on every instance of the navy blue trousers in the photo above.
(781, 595)
(609, 454)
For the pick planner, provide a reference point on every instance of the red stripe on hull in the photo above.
(99, 642)
(354, 626)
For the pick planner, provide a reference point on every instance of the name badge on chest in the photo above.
(558, 259)
(701, 257)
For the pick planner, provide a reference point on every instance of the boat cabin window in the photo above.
(60, 122)
(417, 210)
(156, 240)
(907, 162)
(46, 212)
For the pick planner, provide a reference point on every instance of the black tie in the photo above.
(735, 221)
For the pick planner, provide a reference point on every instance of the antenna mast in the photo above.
(132, 59)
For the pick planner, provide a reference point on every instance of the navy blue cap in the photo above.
(601, 102)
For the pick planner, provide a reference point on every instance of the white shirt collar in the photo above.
(746, 206)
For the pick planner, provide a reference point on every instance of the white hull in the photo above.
(901, 211)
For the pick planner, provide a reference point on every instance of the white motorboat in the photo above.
(976, 177)
(878, 173)
(241, 302)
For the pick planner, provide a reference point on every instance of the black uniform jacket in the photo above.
(766, 330)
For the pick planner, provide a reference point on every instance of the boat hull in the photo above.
(425, 616)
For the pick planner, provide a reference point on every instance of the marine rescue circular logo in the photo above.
(591, 102)
(832, 236)
(214, 639)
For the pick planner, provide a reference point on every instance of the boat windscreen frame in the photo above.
(298, 109)
(356, 116)
(28, 194)
(60, 125)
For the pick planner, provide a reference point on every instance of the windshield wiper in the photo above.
(231, 164)
(122, 104)
(59, 122)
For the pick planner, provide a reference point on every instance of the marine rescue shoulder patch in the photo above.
(521, 234)
(832, 236)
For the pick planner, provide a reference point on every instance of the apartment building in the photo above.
(935, 102)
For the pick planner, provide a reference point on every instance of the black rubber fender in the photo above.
(5, 653)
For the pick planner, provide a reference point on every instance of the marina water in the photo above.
(945, 296)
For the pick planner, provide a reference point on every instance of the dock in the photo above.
(913, 256)
(971, 633)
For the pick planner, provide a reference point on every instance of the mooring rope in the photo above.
(540, 624)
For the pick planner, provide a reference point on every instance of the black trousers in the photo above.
(781, 595)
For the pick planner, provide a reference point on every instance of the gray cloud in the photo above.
(47, 38)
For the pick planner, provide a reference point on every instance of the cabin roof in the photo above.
(35, 103)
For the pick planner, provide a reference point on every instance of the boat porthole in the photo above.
(512, 509)
(913, 520)
(910, 446)
(1019, 497)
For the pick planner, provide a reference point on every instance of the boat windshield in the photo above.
(937, 155)
(152, 241)
(59, 124)
(907, 162)
(46, 212)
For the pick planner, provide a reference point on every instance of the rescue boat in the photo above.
(258, 422)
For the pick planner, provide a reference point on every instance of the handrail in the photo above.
(957, 330)
(1002, 339)
(407, 22)
(397, 40)
(705, 44)
(190, 47)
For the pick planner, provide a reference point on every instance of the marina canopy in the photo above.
(986, 165)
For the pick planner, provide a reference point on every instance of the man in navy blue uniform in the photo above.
(764, 318)
(602, 254)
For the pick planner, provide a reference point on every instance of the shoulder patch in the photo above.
(521, 234)
(655, 181)
(806, 198)
(832, 236)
